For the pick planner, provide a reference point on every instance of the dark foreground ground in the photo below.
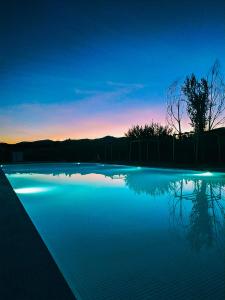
(27, 270)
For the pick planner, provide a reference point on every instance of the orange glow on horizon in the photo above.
(90, 127)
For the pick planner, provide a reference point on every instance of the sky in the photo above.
(87, 69)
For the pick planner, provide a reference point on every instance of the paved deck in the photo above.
(27, 270)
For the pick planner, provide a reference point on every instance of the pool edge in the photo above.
(28, 270)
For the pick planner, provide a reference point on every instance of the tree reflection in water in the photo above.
(204, 223)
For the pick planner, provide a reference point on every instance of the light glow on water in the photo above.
(207, 174)
(31, 190)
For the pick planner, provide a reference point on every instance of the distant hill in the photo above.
(50, 142)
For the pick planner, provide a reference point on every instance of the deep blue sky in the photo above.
(91, 68)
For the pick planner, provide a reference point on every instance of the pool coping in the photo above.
(27, 270)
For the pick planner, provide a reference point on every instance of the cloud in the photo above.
(127, 85)
(111, 89)
(86, 92)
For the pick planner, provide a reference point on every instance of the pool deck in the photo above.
(27, 269)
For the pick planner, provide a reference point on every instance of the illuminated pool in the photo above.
(123, 232)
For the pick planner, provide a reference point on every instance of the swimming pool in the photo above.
(124, 232)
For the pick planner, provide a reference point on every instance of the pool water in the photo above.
(124, 232)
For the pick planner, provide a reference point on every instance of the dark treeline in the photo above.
(155, 150)
(201, 102)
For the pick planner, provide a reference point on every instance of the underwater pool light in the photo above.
(31, 190)
(204, 174)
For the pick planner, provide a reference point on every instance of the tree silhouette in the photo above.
(175, 107)
(216, 87)
(147, 131)
(196, 93)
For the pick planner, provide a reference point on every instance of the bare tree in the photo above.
(175, 107)
(216, 87)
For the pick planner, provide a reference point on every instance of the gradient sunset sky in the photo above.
(86, 69)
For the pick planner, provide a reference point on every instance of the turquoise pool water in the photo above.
(123, 232)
